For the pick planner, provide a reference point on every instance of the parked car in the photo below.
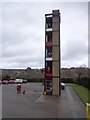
(62, 86)
(24, 81)
(5, 82)
(18, 81)
(11, 82)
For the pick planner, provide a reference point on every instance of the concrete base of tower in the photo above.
(56, 87)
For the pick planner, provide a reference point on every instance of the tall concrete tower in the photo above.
(52, 53)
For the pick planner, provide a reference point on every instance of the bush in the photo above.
(84, 81)
(88, 83)
(35, 80)
(79, 81)
(6, 77)
(67, 80)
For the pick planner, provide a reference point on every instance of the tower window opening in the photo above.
(48, 67)
(49, 36)
(48, 22)
(49, 52)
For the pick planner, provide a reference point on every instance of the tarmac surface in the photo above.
(33, 104)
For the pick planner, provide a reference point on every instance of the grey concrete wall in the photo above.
(55, 69)
(55, 36)
(55, 19)
(55, 27)
(55, 52)
(56, 86)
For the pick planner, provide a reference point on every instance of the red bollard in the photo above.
(18, 88)
(24, 92)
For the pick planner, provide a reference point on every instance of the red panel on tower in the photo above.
(48, 75)
(49, 43)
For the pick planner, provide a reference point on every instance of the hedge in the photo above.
(67, 80)
(35, 80)
(85, 81)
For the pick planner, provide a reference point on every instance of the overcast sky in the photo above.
(23, 34)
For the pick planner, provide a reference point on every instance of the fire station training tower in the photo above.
(52, 54)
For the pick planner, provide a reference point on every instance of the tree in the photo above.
(42, 70)
(79, 73)
(83, 65)
(28, 68)
(6, 77)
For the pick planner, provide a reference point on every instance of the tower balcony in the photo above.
(48, 29)
(48, 74)
(49, 54)
(49, 59)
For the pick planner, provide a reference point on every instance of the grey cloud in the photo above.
(24, 33)
(24, 61)
(13, 12)
(74, 49)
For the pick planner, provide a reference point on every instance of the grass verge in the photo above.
(82, 91)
